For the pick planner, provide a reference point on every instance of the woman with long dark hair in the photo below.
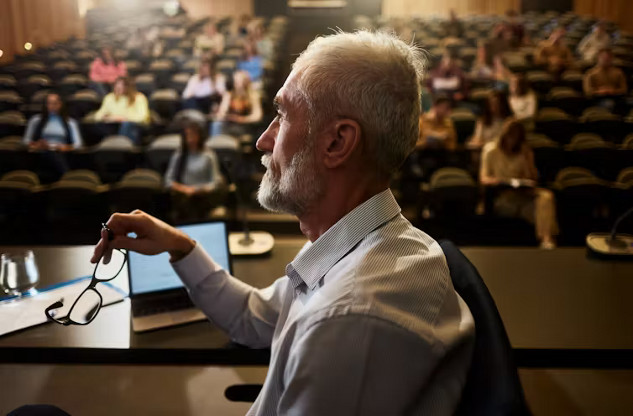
(50, 134)
(509, 161)
(193, 175)
(493, 116)
(127, 106)
(105, 70)
(52, 129)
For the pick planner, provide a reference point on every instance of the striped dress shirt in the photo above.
(365, 322)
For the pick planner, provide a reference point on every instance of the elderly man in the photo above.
(366, 320)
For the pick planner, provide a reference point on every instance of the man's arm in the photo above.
(247, 314)
(362, 365)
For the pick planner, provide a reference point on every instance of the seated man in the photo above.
(366, 319)
(604, 78)
(594, 42)
(553, 54)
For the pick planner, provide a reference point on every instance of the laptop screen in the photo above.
(154, 273)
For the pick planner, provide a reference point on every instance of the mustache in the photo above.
(266, 159)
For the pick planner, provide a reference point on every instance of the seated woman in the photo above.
(448, 79)
(193, 176)
(127, 106)
(522, 99)
(239, 107)
(481, 70)
(252, 63)
(53, 133)
(204, 89)
(490, 124)
(509, 161)
(105, 70)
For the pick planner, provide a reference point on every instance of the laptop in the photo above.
(158, 296)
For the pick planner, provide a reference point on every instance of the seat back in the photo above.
(492, 384)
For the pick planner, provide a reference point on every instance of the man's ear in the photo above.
(344, 140)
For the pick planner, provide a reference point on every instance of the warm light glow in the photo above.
(28, 46)
(170, 8)
(1, 53)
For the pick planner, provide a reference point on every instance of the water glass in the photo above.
(18, 273)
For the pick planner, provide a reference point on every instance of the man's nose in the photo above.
(266, 141)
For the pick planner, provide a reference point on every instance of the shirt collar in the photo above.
(312, 263)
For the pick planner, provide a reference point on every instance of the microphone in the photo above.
(612, 245)
(246, 242)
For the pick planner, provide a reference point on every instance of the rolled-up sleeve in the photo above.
(247, 314)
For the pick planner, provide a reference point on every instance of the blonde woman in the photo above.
(239, 107)
(127, 106)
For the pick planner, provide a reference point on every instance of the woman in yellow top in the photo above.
(127, 106)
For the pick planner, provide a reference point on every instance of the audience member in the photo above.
(53, 129)
(127, 106)
(448, 79)
(501, 40)
(481, 69)
(501, 74)
(239, 107)
(509, 161)
(263, 43)
(193, 176)
(211, 42)
(605, 78)
(436, 127)
(594, 42)
(52, 133)
(553, 54)
(515, 30)
(490, 124)
(252, 63)
(204, 89)
(453, 27)
(522, 99)
(104, 70)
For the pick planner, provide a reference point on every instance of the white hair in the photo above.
(372, 78)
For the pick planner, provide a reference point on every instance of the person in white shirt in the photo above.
(522, 100)
(366, 319)
(594, 42)
(205, 89)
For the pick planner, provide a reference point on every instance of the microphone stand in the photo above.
(613, 240)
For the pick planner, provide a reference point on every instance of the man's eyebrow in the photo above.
(278, 104)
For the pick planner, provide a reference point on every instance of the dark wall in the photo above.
(545, 5)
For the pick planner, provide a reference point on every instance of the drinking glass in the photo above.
(18, 273)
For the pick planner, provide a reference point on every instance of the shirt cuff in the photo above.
(195, 266)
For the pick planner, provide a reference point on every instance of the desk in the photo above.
(560, 310)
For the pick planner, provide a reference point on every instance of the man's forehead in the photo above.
(288, 94)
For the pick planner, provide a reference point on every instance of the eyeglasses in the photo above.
(89, 302)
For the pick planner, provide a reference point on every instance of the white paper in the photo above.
(20, 313)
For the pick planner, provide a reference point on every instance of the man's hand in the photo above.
(153, 236)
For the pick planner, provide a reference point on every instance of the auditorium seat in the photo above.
(568, 100)
(548, 156)
(28, 69)
(62, 69)
(146, 83)
(179, 81)
(541, 82)
(555, 124)
(590, 151)
(71, 84)
(165, 102)
(610, 126)
(10, 101)
(12, 123)
(83, 102)
(162, 69)
(453, 193)
(82, 175)
(464, 121)
(7, 82)
(137, 193)
(115, 156)
(33, 84)
(159, 152)
(24, 176)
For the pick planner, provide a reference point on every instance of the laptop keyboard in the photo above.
(153, 307)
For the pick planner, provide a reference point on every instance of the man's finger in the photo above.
(122, 224)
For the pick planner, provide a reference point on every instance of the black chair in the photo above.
(33, 84)
(179, 81)
(12, 123)
(130, 194)
(492, 384)
(72, 84)
(573, 80)
(7, 82)
(27, 69)
(13, 156)
(166, 103)
(61, 70)
(464, 121)
(590, 151)
(10, 101)
(162, 69)
(555, 124)
(82, 103)
(568, 100)
(146, 83)
(15, 199)
(453, 193)
(134, 67)
(610, 126)
(540, 81)
(159, 152)
(548, 156)
(24, 176)
(115, 156)
(82, 175)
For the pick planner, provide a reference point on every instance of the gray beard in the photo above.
(296, 190)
